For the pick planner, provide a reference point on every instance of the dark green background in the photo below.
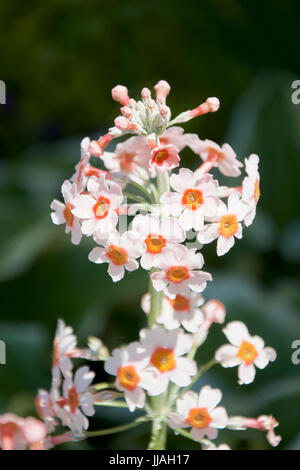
(59, 60)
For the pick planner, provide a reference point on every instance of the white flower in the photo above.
(179, 271)
(77, 402)
(244, 351)
(128, 365)
(120, 251)
(164, 350)
(97, 209)
(200, 412)
(222, 157)
(63, 212)
(225, 226)
(63, 345)
(193, 200)
(156, 234)
(183, 310)
(44, 404)
(250, 188)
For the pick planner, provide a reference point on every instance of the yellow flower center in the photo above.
(247, 352)
(177, 274)
(117, 255)
(256, 191)
(192, 199)
(163, 359)
(198, 418)
(179, 303)
(128, 377)
(101, 207)
(228, 225)
(155, 243)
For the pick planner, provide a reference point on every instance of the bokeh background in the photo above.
(60, 59)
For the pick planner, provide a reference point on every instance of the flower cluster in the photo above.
(162, 207)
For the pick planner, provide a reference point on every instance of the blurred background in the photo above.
(59, 60)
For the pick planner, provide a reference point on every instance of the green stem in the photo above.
(113, 404)
(141, 188)
(124, 427)
(201, 371)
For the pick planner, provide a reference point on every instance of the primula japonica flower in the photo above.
(80, 178)
(156, 233)
(263, 423)
(164, 158)
(164, 350)
(183, 310)
(245, 351)
(120, 251)
(97, 208)
(44, 403)
(193, 199)
(128, 364)
(179, 271)
(250, 188)
(63, 345)
(176, 136)
(76, 401)
(200, 412)
(21, 433)
(224, 158)
(63, 212)
(225, 225)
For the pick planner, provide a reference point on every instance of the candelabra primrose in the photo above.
(157, 372)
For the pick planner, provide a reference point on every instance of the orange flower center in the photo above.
(228, 225)
(161, 156)
(177, 274)
(101, 207)
(247, 352)
(69, 217)
(155, 243)
(214, 154)
(198, 418)
(127, 161)
(192, 199)
(179, 303)
(256, 191)
(117, 255)
(128, 377)
(163, 359)
(73, 399)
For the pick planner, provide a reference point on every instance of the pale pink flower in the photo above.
(250, 188)
(120, 251)
(97, 208)
(224, 158)
(194, 199)
(245, 351)
(225, 225)
(200, 412)
(35, 433)
(44, 404)
(128, 365)
(63, 212)
(21, 433)
(63, 346)
(262, 423)
(164, 350)
(156, 234)
(176, 136)
(182, 311)
(163, 158)
(76, 402)
(79, 176)
(179, 271)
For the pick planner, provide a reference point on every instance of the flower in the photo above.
(97, 209)
(163, 158)
(176, 136)
(183, 310)
(214, 312)
(225, 225)
(250, 188)
(79, 176)
(44, 404)
(164, 350)
(263, 423)
(193, 199)
(215, 156)
(120, 252)
(156, 234)
(128, 364)
(63, 212)
(19, 433)
(179, 271)
(63, 345)
(200, 412)
(244, 351)
(77, 401)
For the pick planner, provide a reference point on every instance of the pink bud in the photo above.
(120, 93)
(164, 111)
(123, 124)
(126, 111)
(213, 104)
(162, 89)
(146, 93)
(151, 104)
(96, 147)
